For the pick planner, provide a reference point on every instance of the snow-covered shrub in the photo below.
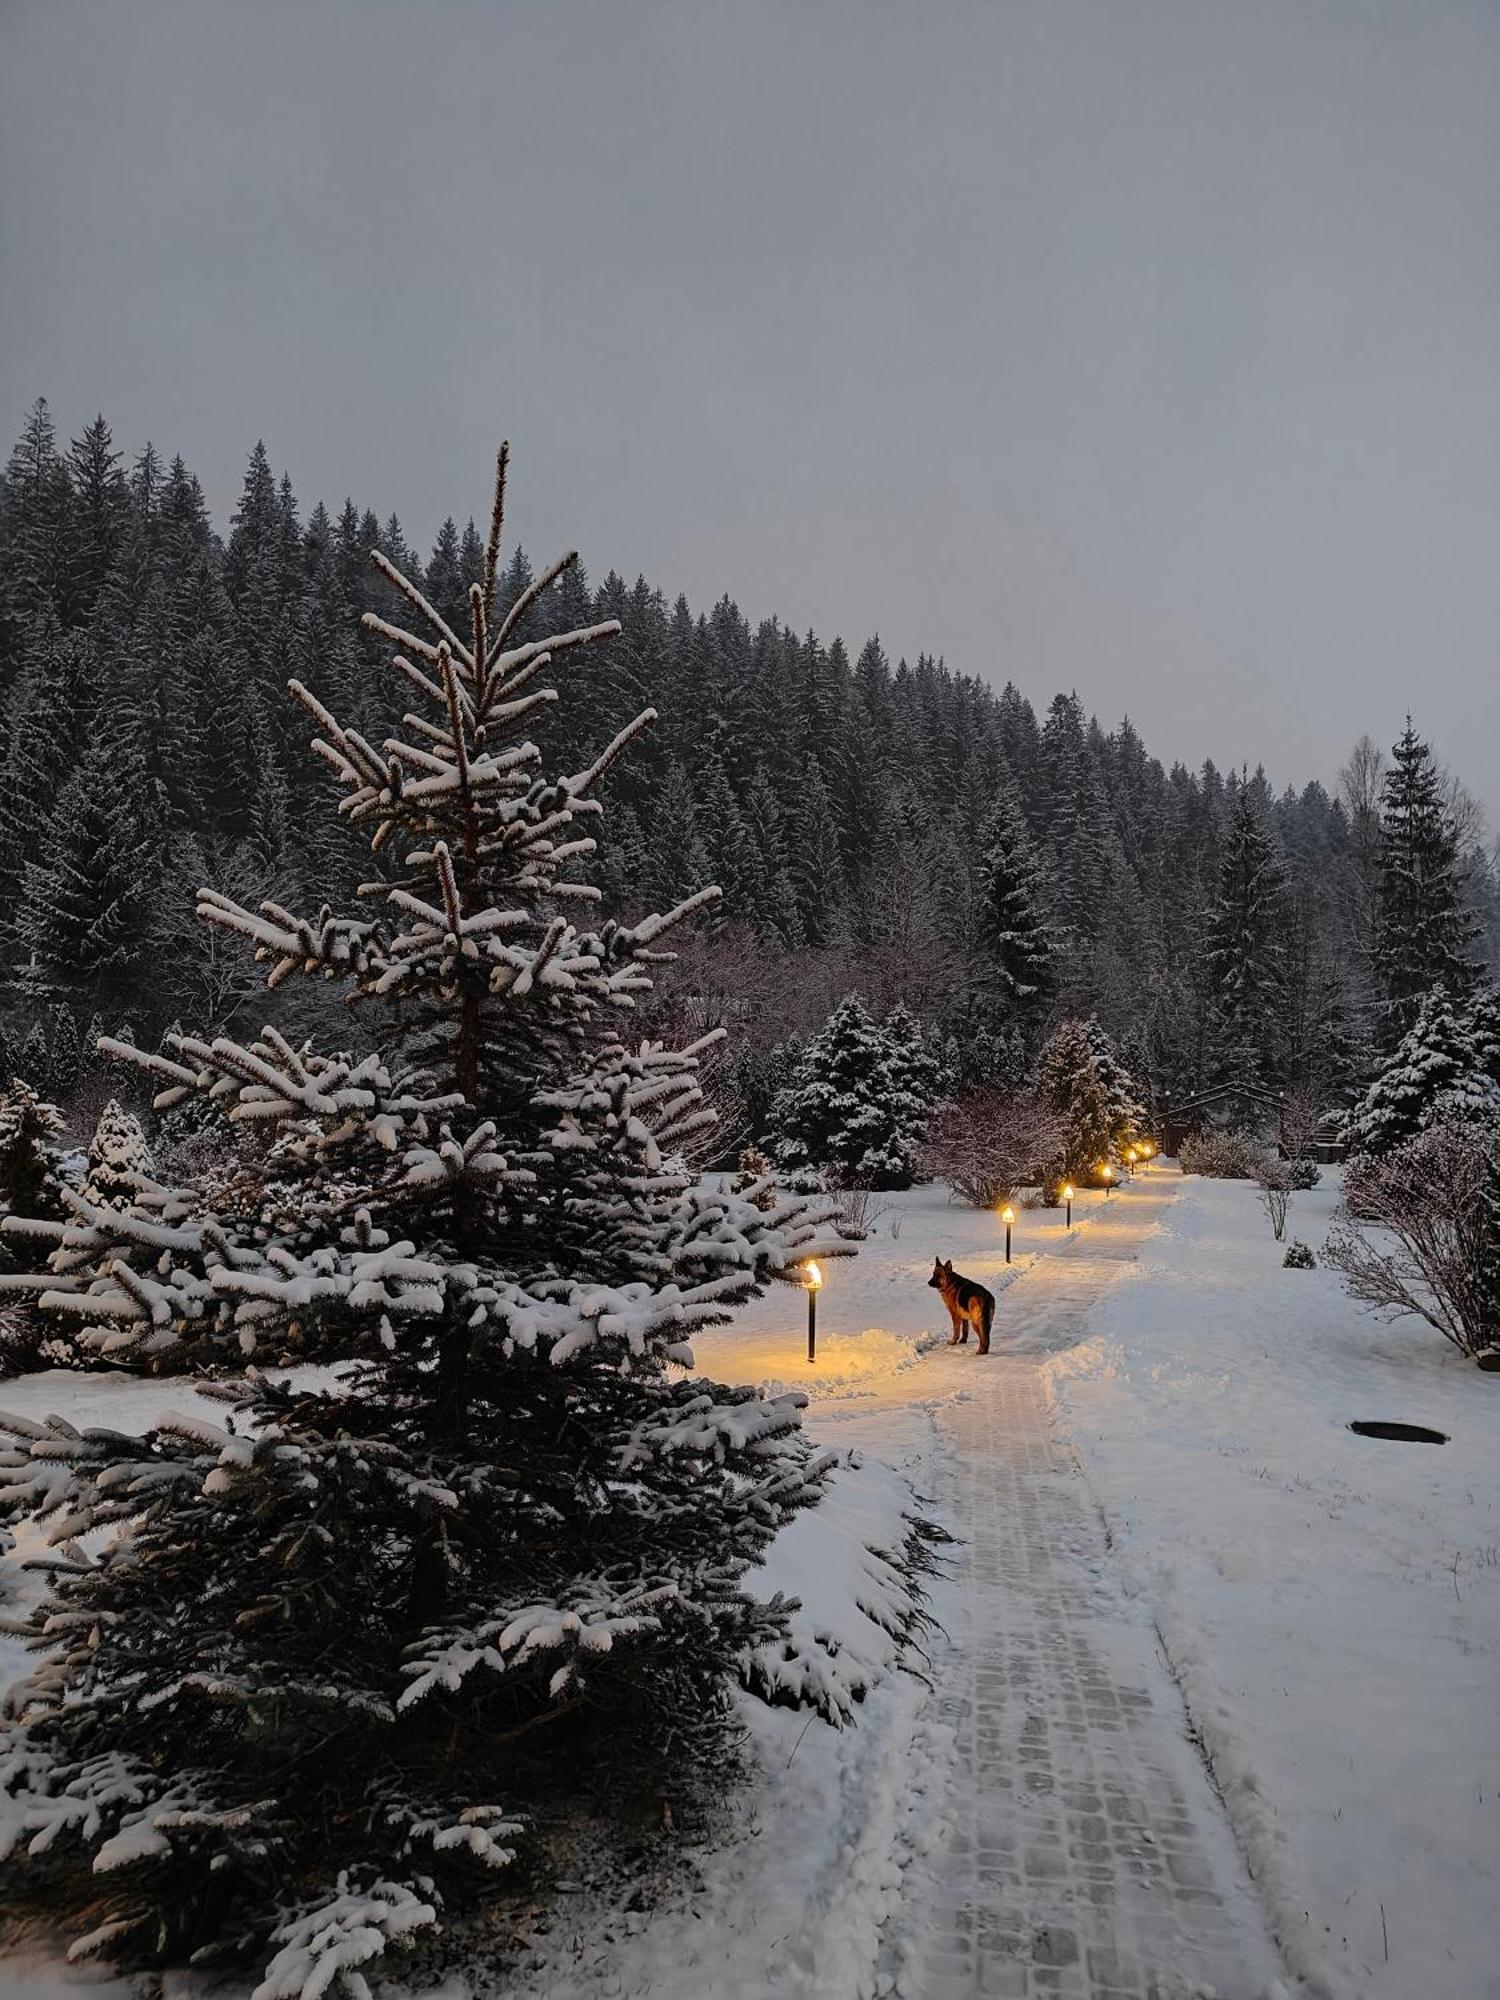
(1422, 1234)
(988, 1145)
(1299, 1257)
(31, 1188)
(755, 1178)
(1223, 1156)
(29, 1130)
(1301, 1175)
(327, 1656)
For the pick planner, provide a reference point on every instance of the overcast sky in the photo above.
(1148, 349)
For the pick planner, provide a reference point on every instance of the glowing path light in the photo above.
(1007, 1216)
(812, 1277)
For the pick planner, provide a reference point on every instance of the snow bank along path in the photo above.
(1088, 1854)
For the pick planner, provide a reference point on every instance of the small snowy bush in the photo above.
(1223, 1156)
(1299, 1257)
(1301, 1175)
(119, 1159)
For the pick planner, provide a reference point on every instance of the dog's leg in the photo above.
(957, 1322)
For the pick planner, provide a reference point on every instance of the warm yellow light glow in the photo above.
(1107, 1171)
(1067, 1191)
(1007, 1215)
(813, 1276)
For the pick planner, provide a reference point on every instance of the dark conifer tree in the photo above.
(1246, 943)
(1010, 921)
(36, 504)
(1424, 935)
(51, 714)
(99, 518)
(86, 896)
(813, 855)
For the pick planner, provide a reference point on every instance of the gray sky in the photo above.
(1152, 349)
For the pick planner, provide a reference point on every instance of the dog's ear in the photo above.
(948, 1267)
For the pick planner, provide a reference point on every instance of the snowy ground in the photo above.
(1329, 1603)
(1329, 1606)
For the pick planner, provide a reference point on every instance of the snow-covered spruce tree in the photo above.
(1423, 931)
(915, 1065)
(1127, 1115)
(338, 1646)
(1069, 1083)
(1446, 1065)
(844, 1111)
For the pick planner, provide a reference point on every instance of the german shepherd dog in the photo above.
(968, 1304)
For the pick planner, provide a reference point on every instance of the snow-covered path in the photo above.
(1089, 1855)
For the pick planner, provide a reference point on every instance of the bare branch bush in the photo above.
(856, 1210)
(725, 1135)
(1418, 1238)
(988, 1145)
(1275, 1193)
(1301, 1121)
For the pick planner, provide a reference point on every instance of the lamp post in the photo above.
(813, 1279)
(1007, 1216)
(1068, 1200)
(1107, 1173)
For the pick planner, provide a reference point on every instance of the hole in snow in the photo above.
(1401, 1433)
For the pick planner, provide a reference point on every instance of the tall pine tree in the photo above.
(1010, 923)
(1423, 932)
(1246, 950)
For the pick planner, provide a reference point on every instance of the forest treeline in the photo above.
(897, 829)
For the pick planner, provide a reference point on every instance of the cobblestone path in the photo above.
(1090, 1855)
